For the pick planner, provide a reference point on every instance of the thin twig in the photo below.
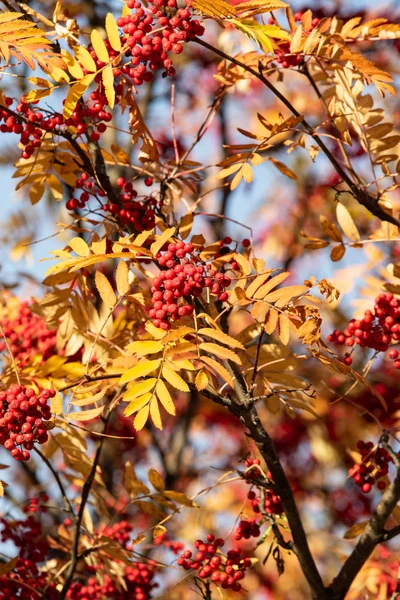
(57, 478)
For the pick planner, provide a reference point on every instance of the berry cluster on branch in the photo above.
(183, 277)
(22, 416)
(378, 329)
(373, 469)
(26, 336)
(227, 571)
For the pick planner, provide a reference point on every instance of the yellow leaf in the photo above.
(346, 222)
(86, 415)
(122, 278)
(284, 295)
(85, 58)
(36, 191)
(284, 329)
(55, 186)
(137, 404)
(99, 247)
(1, 489)
(123, 158)
(283, 168)
(113, 33)
(185, 225)
(162, 239)
(141, 418)
(56, 404)
(243, 263)
(105, 290)
(99, 46)
(355, 530)
(165, 397)
(178, 334)
(220, 351)
(108, 83)
(139, 389)
(271, 283)
(156, 480)
(297, 41)
(174, 379)
(229, 171)
(133, 485)
(184, 363)
(138, 539)
(201, 381)
(218, 368)
(247, 173)
(79, 246)
(143, 368)
(159, 530)
(155, 413)
(179, 497)
(154, 331)
(259, 311)
(75, 94)
(34, 95)
(258, 281)
(73, 65)
(220, 336)
(145, 347)
(271, 321)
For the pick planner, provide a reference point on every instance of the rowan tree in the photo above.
(200, 399)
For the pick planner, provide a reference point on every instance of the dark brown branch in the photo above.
(300, 544)
(361, 195)
(242, 407)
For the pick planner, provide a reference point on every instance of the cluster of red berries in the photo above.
(28, 536)
(183, 276)
(30, 127)
(299, 15)
(247, 529)
(348, 505)
(119, 532)
(140, 214)
(376, 330)
(35, 504)
(138, 578)
(161, 540)
(284, 56)
(272, 504)
(22, 413)
(373, 460)
(211, 564)
(150, 35)
(27, 335)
